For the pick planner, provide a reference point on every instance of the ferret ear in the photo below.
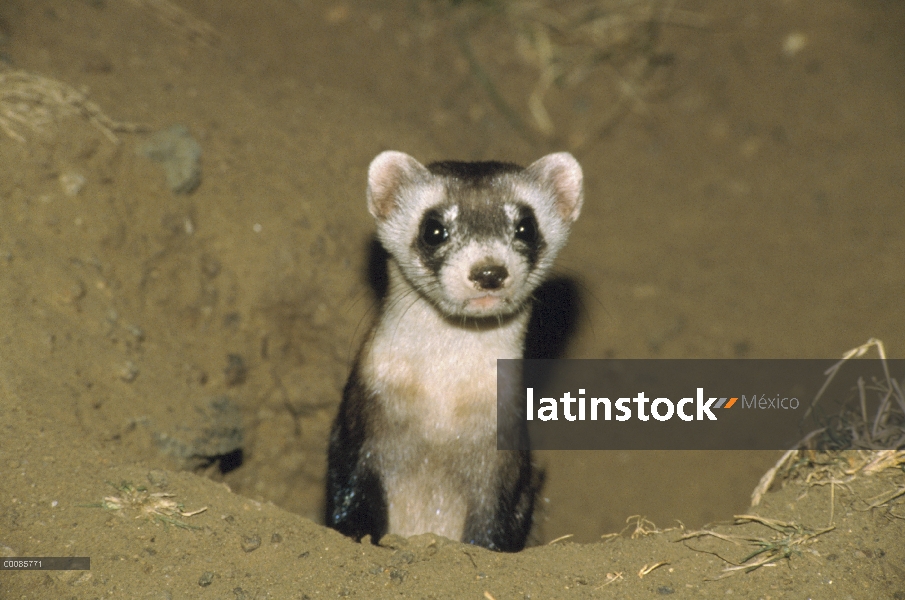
(561, 174)
(388, 172)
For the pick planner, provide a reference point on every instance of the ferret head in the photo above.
(475, 239)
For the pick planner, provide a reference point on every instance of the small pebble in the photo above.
(129, 372)
(794, 43)
(179, 154)
(158, 478)
(235, 371)
(251, 543)
(72, 183)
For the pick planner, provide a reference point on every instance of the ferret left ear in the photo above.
(561, 173)
(388, 172)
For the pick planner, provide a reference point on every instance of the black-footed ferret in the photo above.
(414, 446)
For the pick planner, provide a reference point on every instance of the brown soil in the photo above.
(745, 200)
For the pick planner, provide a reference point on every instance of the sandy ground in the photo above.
(744, 190)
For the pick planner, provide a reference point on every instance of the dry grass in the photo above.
(850, 445)
(173, 16)
(816, 465)
(33, 102)
(608, 46)
(787, 539)
(861, 428)
(158, 507)
(582, 43)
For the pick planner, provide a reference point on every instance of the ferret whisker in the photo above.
(413, 295)
(366, 315)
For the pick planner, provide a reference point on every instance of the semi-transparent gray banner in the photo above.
(46, 563)
(731, 404)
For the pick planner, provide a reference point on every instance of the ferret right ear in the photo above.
(562, 175)
(388, 172)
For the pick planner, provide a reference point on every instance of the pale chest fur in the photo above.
(436, 397)
(436, 375)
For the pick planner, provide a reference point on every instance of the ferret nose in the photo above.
(488, 277)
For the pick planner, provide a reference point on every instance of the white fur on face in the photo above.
(462, 296)
(402, 191)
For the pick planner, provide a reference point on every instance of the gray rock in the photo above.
(215, 431)
(179, 154)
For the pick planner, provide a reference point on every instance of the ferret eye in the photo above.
(433, 232)
(526, 230)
